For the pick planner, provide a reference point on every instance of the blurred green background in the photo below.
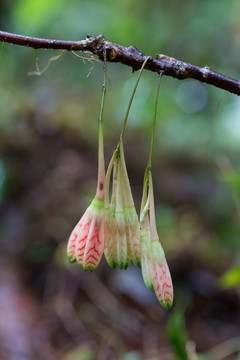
(48, 166)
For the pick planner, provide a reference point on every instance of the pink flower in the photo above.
(155, 271)
(162, 281)
(86, 242)
(122, 231)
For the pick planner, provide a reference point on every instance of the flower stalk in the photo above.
(86, 242)
(155, 270)
(122, 230)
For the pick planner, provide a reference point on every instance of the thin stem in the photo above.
(147, 182)
(101, 163)
(108, 176)
(145, 191)
(149, 166)
(126, 188)
(131, 99)
(103, 87)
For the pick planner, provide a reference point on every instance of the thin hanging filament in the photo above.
(101, 163)
(132, 96)
(148, 175)
(154, 123)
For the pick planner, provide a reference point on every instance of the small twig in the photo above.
(224, 349)
(38, 72)
(130, 56)
(87, 58)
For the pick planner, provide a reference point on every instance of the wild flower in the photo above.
(122, 231)
(155, 269)
(86, 242)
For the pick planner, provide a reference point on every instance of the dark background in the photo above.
(50, 309)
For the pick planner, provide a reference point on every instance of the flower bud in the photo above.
(155, 269)
(162, 281)
(122, 232)
(86, 242)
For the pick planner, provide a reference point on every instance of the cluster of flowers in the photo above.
(110, 225)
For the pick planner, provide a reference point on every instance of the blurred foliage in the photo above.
(82, 353)
(48, 143)
(177, 334)
(231, 278)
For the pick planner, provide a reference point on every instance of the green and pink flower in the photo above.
(122, 231)
(155, 271)
(86, 242)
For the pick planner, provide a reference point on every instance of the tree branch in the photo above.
(129, 56)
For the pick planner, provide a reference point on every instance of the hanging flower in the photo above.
(86, 242)
(162, 281)
(122, 231)
(155, 269)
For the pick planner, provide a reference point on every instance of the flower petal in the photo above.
(72, 245)
(82, 235)
(94, 245)
(146, 266)
(86, 243)
(72, 242)
(162, 281)
(123, 254)
(146, 263)
(133, 234)
(110, 243)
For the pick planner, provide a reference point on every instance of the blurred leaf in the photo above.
(202, 357)
(42, 10)
(2, 179)
(231, 278)
(233, 180)
(177, 334)
(81, 353)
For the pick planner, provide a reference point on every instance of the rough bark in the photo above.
(129, 56)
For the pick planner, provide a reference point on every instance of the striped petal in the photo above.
(116, 244)
(110, 244)
(162, 281)
(71, 246)
(86, 243)
(133, 234)
(122, 231)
